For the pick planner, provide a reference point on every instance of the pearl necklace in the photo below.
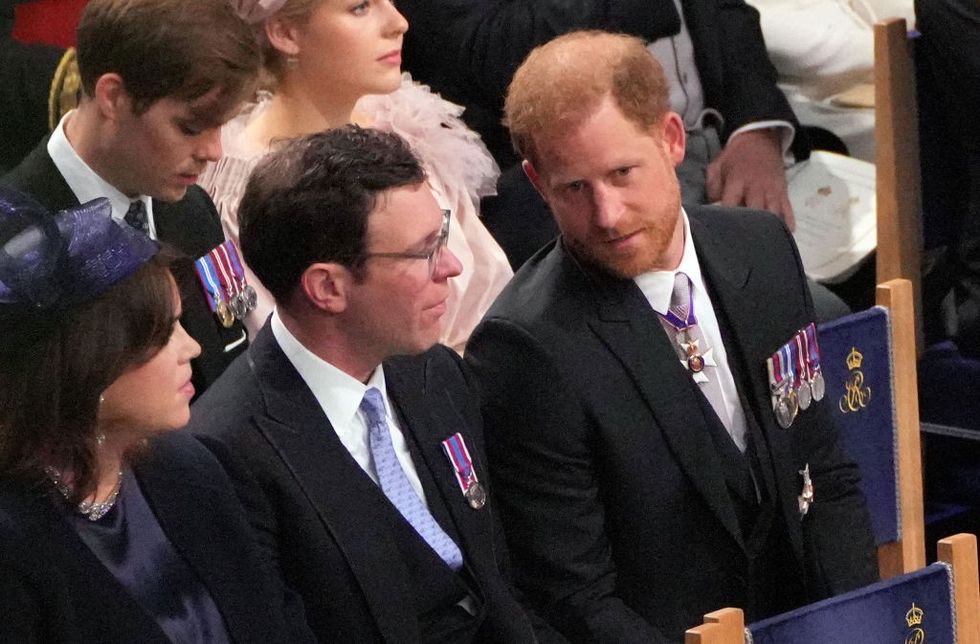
(91, 510)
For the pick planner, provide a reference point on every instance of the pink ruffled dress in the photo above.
(460, 171)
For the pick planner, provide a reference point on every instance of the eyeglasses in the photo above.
(432, 254)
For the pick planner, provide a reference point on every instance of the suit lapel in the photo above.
(187, 224)
(38, 176)
(430, 417)
(629, 327)
(343, 496)
(90, 585)
(179, 510)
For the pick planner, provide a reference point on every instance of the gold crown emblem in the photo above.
(914, 616)
(854, 359)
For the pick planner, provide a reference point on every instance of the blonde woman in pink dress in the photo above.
(339, 61)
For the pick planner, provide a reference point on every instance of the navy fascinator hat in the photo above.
(53, 261)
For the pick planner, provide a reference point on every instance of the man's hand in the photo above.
(749, 172)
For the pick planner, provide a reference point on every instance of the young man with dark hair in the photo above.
(158, 79)
(364, 434)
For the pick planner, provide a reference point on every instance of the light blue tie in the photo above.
(396, 486)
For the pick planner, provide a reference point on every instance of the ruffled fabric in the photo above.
(460, 171)
(434, 129)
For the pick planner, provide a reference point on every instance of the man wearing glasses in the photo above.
(362, 433)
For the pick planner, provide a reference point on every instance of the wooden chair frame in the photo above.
(727, 626)
(898, 184)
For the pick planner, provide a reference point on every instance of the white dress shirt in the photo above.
(657, 287)
(84, 181)
(340, 395)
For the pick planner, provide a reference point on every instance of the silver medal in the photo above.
(238, 306)
(786, 408)
(475, 495)
(804, 395)
(818, 386)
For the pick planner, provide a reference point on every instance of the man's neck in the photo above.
(326, 340)
(85, 133)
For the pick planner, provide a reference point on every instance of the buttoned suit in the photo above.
(623, 499)
(190, 225)
(54, 589)
(363, 573)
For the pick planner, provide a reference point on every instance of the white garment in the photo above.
(85, 182)
(821, 48)
(340, 395)
(657, 287)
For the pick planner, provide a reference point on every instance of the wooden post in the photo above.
(909, 553)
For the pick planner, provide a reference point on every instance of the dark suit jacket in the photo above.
(191, 225)
(54, 589)
(468, 50)
(613, 499)
(330, 527)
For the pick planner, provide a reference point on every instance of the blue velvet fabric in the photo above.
(871, 615)
(130, 543)
(862, 401)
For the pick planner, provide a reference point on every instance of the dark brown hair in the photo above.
(562, 82)
(55, 365)
(167, 48)
(309, 202)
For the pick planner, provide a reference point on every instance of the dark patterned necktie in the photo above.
(136, 217)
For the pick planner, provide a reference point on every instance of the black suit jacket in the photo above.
(190, 225)
(613, 499)
(468, 50)
(54, 589)
(330, 525)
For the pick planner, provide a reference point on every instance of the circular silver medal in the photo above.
(786, 408)
(818, 386)
(250, 297)
(804, 395)
(475, 495)
(238, 306)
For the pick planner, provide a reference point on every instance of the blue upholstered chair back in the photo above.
(857, 367)
(914, 607)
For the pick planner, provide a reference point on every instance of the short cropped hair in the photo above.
(562, 82)
(55, 365)
(309, 200)
(167, 48)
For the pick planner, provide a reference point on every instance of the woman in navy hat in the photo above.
(113, 527)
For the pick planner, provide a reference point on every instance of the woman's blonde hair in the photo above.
(274, 61)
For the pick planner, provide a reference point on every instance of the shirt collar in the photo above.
(657, 286)
(82, 179)
(338, 393)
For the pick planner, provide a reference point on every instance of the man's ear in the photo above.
(111, 97)
(327, 285)
(283, 35)
(533, 176)
(673, 135)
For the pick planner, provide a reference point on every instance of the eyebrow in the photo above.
(430, 237)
